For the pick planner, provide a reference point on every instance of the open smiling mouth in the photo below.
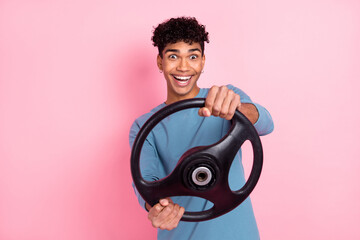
(182, 80)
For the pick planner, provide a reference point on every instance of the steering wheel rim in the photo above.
(218, 164)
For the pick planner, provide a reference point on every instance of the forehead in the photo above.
(183, 46)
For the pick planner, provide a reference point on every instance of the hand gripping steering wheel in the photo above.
(201, 171)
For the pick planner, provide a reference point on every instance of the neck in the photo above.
(172, 97)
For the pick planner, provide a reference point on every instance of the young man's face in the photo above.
(181, 64)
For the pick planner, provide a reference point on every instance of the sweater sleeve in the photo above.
(264, 125)
(149, 160)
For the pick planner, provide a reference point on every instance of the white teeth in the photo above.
(183, 78)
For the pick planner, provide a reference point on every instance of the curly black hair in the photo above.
(185, 29)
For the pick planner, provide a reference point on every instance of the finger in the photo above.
(155, 211)
(226, 104)
(210, 99)
(175, 221)
(157, 218)
(219, 101)
(233, 106)
(169, 222)
(164, 215)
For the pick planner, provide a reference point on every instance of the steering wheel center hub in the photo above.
(201, 176)
(200, 172)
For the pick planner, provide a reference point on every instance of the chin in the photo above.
(183, 91)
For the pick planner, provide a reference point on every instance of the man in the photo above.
(181, 59)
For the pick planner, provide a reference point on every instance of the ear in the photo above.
(203, 61)
(159, 62)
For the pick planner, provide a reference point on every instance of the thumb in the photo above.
(204, 112)
(164, 202)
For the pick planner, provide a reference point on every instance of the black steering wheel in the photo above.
(201, 171)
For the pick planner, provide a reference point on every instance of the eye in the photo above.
(193, 57)
(172, 56)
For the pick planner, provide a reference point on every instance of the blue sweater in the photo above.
(170, 139)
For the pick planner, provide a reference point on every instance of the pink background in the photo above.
(75, 74)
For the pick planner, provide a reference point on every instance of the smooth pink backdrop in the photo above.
(75, 74)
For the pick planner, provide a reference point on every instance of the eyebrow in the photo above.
(194, 49)
(177, 50)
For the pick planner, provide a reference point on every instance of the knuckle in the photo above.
(223, 113)
(173, 213)
(168, 209)
(155, 224)
(223, 88)
(216, 109)
(230, 114)
(228, 117)
(165, 211)
(208, 104)
(182, 209)
(157, 208)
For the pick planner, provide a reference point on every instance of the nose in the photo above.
(183, 65)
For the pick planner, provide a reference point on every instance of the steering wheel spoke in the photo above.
(166, 187)
(226, 149)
